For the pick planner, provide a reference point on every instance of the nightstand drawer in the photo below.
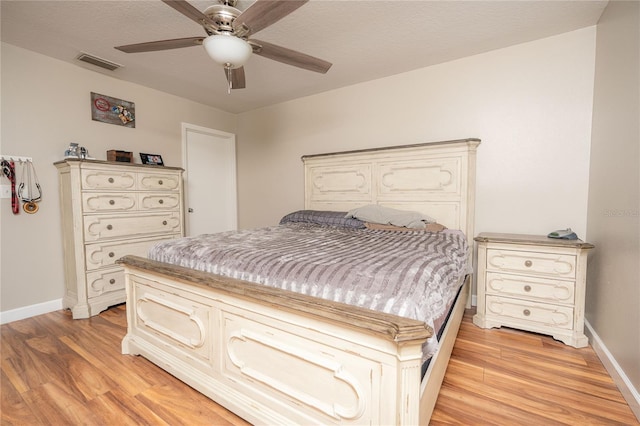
(540, 314)
(531, 288)
(531, 263)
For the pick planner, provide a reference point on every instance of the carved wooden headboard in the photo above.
(437, 179)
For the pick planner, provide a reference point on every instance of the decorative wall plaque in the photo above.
(112, 110)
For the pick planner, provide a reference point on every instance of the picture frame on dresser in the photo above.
(152, 159)
(533, 283)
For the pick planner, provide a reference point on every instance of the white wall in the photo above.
(530, 104)
(45, 106)
(613, 290)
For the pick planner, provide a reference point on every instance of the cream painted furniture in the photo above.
(277, 357)
(110, 210)
(533, 283)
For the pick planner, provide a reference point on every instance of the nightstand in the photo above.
(532, 283)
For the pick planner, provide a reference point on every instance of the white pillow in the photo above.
(386, 215)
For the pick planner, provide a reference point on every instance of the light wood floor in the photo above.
(57, 371)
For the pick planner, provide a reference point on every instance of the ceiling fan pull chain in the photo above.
(228, 70)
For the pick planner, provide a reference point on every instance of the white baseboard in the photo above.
(629, 392)
(30, 311)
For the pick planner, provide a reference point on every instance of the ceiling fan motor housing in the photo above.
(223, 16)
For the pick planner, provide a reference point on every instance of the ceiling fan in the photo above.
(228, 30)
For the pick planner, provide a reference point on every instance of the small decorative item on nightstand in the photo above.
(533, 283)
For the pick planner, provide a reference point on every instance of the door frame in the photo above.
(186, 128)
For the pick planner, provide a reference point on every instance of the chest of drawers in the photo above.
(110, 210)
(532, 283)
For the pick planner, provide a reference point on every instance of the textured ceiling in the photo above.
(364, 40)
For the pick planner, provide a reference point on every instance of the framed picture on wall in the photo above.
(154, 159)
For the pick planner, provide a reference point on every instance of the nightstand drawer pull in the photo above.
(527, 288)
(112, 281)
(528, 263)
(160, 182)
(109, 227)
(111, 180)
(111, 254)
(164, 222)
(526, 312)
(112, 202)
(160, 201)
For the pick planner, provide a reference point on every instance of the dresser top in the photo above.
(531, 239)
(81, 161)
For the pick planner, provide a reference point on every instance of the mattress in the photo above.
(414, 274)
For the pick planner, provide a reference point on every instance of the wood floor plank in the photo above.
(189, 409)
(13, 407)
(54, 404)
(112, 366)
(60, 371)
(119, 408)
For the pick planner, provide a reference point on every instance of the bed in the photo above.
(275, 356)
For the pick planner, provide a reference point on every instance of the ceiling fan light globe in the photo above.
(227, 50)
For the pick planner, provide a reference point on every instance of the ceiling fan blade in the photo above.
(263, 13)
(289, 57)
(152, 46)
(189, 11)
(235, 77)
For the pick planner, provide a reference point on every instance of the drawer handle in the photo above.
(164, 222)
(112, 281)
(528, 263)
(160, 182)
(111, 180)
(160, 201)
(526, 312)
(527, 288)
(111, 254)
(112, 202)
(109, 227)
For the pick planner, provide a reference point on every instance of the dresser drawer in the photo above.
(531, 263)
(159, 181)
(535, 314)
(101, 255)
(98, 228)
(107, 179)
(102, 202)
(159, 201)
(531, 288)
(103, 282)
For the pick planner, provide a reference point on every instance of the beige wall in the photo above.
(530, 104)
(45, 106)
(613, 290)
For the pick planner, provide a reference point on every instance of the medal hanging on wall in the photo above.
(33, 192)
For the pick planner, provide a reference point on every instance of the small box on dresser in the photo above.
(532, 283)
(110, 210)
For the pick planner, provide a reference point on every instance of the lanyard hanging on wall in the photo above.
(33, 192)
(9, 170)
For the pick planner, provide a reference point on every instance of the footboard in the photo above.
(272, 356)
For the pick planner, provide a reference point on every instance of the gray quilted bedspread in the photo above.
(412, 274)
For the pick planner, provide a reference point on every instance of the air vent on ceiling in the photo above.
(99, 62)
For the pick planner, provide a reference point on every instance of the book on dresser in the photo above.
(110, 210)
(532, 283)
